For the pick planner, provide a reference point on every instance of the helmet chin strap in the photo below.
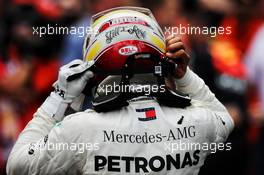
(115, 91)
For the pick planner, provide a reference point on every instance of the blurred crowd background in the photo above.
(231, 65)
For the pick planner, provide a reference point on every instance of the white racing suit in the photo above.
(142, 138)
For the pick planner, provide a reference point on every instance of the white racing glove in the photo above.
(72, 80)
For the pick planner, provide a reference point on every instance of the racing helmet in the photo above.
(127, 48)
(120, 32)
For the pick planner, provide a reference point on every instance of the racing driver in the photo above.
(163, 121)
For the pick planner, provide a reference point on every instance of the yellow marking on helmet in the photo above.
(159, 43)
(93, 51)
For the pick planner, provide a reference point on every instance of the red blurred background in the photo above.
(231, 65)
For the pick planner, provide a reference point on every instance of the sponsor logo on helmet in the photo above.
(132, 30)
(128, 50)
(121, 21)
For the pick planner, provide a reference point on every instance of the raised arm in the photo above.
(31, 154)
(188, 82)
